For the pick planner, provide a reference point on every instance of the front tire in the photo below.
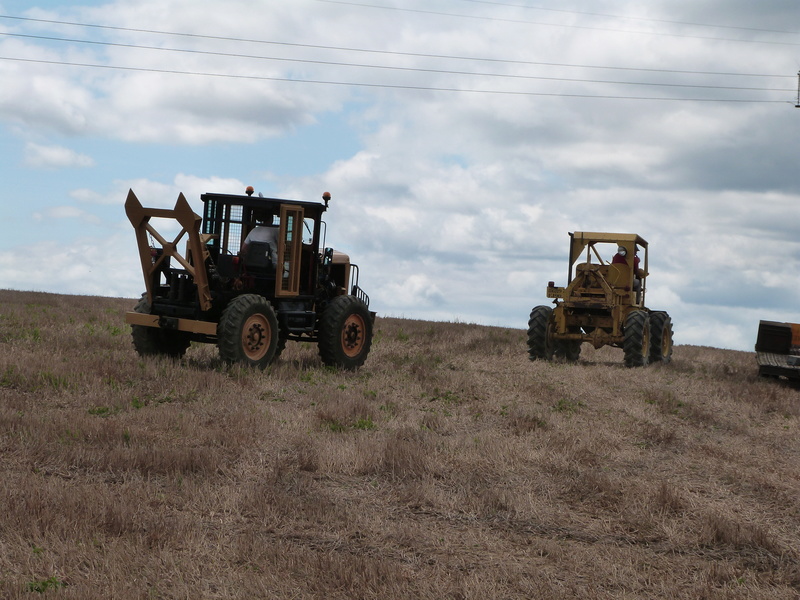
(345, 333)
(155, 341)
(248, 331)
(636, 344)
(660, 337)
(540, 334)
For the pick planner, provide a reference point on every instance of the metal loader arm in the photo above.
(140, 216)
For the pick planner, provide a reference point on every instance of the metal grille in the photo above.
(234, 238)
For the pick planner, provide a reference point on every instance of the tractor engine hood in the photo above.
(340, 258)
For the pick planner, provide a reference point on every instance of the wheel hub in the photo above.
(255, 337)
(352, 335)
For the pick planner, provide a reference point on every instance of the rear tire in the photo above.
(155, 341)
(345, 333)
(540, 334)
(660, 337)
(636, 344)
(248, 331)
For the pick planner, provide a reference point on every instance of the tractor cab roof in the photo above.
(583, 239)
(588, 237)
(310, 209)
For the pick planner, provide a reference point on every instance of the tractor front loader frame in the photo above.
(154, 262)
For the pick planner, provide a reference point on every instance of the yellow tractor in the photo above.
(603, 304)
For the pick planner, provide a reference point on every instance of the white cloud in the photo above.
(147, 99)
(158, 194)
(93, 266)
(456, 205)
(54, 157)
(57, 213)
(415, 290)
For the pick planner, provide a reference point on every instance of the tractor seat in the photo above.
(618, 275)
(261, 256)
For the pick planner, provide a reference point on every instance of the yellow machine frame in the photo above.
(599, 295)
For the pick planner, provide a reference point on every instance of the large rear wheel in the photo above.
(636, 344)
(660, 337)
(540, 334)
(155, 341)
(248, 331)
(345, 333)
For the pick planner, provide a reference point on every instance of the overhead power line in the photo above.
(391, 86)
(626, 17)
(384, 52)
(394, 68)
(564, 25)
(385, 67)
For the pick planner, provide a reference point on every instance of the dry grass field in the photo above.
(449, 466)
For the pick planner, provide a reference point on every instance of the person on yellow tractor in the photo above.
(620, 258)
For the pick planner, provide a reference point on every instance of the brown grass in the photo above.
(449, 466)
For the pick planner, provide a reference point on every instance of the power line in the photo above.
(394, 68)
(643, 19)
(390, 86)
(569, 26)
(387, 52)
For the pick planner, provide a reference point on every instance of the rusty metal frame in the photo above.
(207, 328)
(140, 216)
(287, 280)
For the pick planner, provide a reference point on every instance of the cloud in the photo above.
(158, 194)
(455, 203)
(60, 213)
(161, 95)
(55, 157)
(89, 266)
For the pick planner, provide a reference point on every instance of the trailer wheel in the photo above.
(155, 341)
(540, 334)
(660, 337)
(345, 333)
(248, 331)
(636, 344)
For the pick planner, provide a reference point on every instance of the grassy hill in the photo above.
(449, 466)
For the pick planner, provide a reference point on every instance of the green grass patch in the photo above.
(567, 406)
(364, 423)
(44, 585)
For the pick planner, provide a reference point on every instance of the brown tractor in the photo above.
(603, 304)
(255, 273)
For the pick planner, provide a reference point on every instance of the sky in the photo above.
(461, 141)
